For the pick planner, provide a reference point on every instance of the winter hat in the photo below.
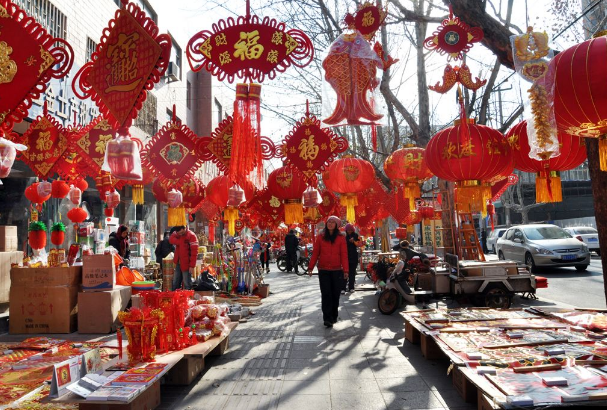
(348, 227)
(335, 219)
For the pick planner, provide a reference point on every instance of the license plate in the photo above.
(569, 257)
(593, 239)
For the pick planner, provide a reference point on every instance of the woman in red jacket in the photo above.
(186, 253)
(331, 252)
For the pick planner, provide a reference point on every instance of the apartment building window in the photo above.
(219, 113)
(581, 173)
(174, 70)
(118, 2)
(188, 97)
(91, 46)
(45, 13)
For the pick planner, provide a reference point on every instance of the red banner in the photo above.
(46, 142)
(130, 58)
(310, 148)
(171, 154)
(29, 58)
(91, 144)
(248, 48)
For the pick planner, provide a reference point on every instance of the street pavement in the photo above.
(284, 358)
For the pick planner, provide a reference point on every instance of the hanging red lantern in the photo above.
(328, 203)
(59, 189)
(548, 180)
(37, 235)
(77, 215)
(45, 189)
(407, 167)
(287, 183)
(193, 195)
(426, 211)
(580, 91)
(468, 154)
(81, 184)
(347, 176)
(33, 194)
(217, 190)
(57, 234)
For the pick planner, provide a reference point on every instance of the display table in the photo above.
(182, 367)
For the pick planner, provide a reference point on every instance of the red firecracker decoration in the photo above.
(288, 184)
(580, 91)
(30, 58)
(548, 180)
(57, 234)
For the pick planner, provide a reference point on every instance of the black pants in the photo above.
(349, 282)
(330, 287)
(292, 262)
(265, 261)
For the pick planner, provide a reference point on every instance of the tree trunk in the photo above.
(422, 85)
(599, 187)
(507, 215)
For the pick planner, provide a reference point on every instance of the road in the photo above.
(568, 286)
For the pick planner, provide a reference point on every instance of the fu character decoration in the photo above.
(131, 57)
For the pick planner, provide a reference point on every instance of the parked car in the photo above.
(492, 238)
(588, 235)
(541, 245)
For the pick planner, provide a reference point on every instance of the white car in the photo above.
(492, 238)
(588, 235)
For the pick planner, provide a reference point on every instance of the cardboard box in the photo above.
(98, 311)
(46, 277)
(8, 238)
(263, 290)
(148, 400)
(464, 387)
(98, 273)
(185, 371)
(6, 259)
(36, 309)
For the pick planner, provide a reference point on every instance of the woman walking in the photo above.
(331, 252)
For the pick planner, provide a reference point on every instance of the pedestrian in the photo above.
(119, 240)
(291, 247)
(164, 248)
(331, 252)
(265, 254)
(186, 253)
(353, 243)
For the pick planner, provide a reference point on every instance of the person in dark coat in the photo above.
(291, 246)
(265, 254)
(119, 240)
(164, 248)
(353, 242)
(406, 253)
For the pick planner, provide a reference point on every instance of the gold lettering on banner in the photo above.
(412, 162)
(308, 150)
(43, 142)
(224, 58)
(8, 67)
(277, 38)
(368, 19)
(513, 141)
(47, 60)
(227, 145)
(220, 40)
(274, 202)
(101, 144)
(291, 44)
(273, 56)
(247, 47)
(465, 150)
(206, 47)
(123, 66)
(3, 13)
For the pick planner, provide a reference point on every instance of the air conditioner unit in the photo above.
(173, 72)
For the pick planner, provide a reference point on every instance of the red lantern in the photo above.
(59, 189)
(548, 181)
(33, 194)
(77, 215)
(401, 233)
(468, 154)
(82, 184)
(407, 167)
(217, 190)
(45, 189)
(287, 183)
(580, 91)
(57, 234)
(426, 211)
(347, 176)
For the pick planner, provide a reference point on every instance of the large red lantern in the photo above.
(548, 180)
(407, 167)
(218, 192)
(468, 154)
(59, 189)
(347, 176)
(288, 184)
(35, 195)
(580, 91)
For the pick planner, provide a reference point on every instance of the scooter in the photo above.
(302, 261)
(398, 285)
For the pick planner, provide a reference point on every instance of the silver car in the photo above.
(492, 238)
(542, 245)
(588, 235)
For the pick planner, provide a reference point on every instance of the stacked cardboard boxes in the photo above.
(8, 239)
(6, 259)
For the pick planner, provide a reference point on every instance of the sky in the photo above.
(185, 18)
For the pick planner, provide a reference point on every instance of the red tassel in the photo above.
(464, 129)
(374, 137)
(212, 232)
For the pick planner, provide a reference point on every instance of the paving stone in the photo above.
(358, 401)
(320, 386)
(402, 383)
(305, 401)
(411, 400)
(354, 386)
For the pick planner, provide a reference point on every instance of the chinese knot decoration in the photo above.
(130, 58)
(530, 53)
(248, 48)
(453, 37)
(29, 58)
(91, 144)
(171, 153)
(580, 91)
(367, 19)
(310, 148)
(46, 143)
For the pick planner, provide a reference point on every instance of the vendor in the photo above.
(406, 253)
(186, 253)
(119, 240)
(164, 247)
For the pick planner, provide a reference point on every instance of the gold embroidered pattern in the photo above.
(8, 67)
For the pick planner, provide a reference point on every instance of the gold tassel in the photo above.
(349, 201)
(472, 197)
(411, 191)
(177, 217)
(312, 214)
(548, 187)
(138, 194)
(293, 212)
(231, 215)
(603, 152)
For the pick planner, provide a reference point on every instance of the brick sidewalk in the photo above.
(284, 358)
